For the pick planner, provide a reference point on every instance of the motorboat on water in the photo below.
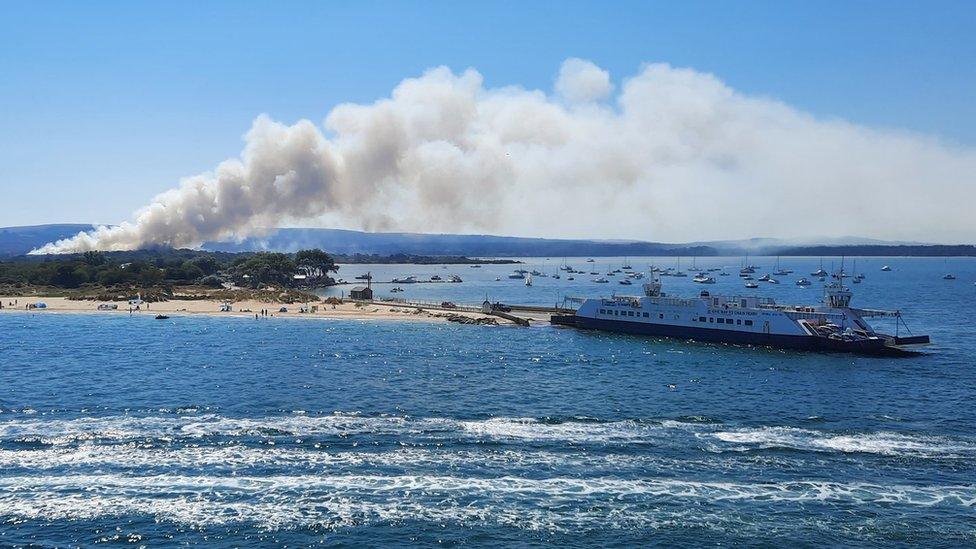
(751, 285)
(886, 268)
(803, 282)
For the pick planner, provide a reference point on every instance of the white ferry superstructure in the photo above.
(751, 320)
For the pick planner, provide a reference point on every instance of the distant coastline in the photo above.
(362, 247)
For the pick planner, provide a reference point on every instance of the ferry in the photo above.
(831, 326)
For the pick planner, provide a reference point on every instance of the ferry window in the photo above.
(630, 313)
(646, 315)
(602, 312)
(738, 321)
(711, 319)
(701, 319)
(748, 323)
(661, 316)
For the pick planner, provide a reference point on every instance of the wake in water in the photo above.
(342, 470)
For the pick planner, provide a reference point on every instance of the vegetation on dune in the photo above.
(168, 274)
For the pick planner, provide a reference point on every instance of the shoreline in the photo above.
(247, 309)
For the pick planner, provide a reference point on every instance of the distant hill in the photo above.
(352, 242)
(20, 240)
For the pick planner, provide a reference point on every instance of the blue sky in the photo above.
(103, 105)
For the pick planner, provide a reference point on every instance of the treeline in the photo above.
(872, 250)
(418, 259)
(155, 268)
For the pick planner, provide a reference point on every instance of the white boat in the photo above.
(751, 285)
(833, 325)
(626, 282)
(600, 280)
(886, 268)
(949, 276)
(517, 275)
(803, 282)
(772, 280)
(528, 280)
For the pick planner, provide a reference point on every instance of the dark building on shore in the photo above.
(361, 292)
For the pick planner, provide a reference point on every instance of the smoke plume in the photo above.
(675, 154)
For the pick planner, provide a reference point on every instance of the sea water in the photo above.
(235, 431)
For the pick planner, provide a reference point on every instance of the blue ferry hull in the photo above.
(714, 335)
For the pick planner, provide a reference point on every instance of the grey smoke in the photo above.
(674, 155)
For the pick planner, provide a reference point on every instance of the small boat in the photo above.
(555, 275)
(949, 276)
(703, 280)
(822, 278)
(723, 273)
(886, 268)
(747, 277)
(803, 282)
(780, 271)
(455, 279)
(626, 282)
(764, 278)
(590, 260)
(594, 273)
(476, 266)
(751, 285)
(571, 278)
(528, 280)
(517, 275)
(161, 317)
(435, 277)
(772, 280)
(497, 278)
(366, 276)
(600, 280)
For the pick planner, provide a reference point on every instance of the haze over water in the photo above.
(229, 431)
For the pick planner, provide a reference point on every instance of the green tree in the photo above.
(265, 268)
(207, 264)
(93, 258)
(316, 263)
(68, 276)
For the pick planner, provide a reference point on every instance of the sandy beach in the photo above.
(248, 308)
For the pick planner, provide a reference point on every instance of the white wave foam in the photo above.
(292, 501)
(167, 427)
(884, 443)
(502, 429)
(238, 458)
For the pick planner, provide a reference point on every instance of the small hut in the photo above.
(361, 292)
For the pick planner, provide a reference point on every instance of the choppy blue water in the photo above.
(231, 432)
